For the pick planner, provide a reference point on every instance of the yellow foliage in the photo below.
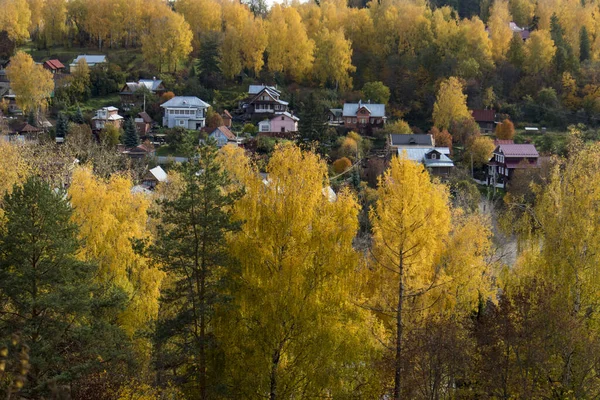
(539, 51)
(296, 259)
(450, 103)
(15, 19)
(14, 168)
(31, 83)
(333, 59)
(110, 217)
(500, 31)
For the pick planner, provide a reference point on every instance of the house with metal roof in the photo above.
(263, 101)
(486, 119)
(132, 92)
(91, 60)
(223, 136)
(186, 112)
(506, 158)
(54, 66)
(435, 159)
(335, 116)
(363, 116)
(415, 140)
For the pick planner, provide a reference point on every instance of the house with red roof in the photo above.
(54, 66)
(486, 119)
(223, 136)
(506, 158)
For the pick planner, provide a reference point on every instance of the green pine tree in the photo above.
(48, 295)
(584, 45)
(62, 125)
(31, 118)
(564, 59)
(131, 137)
(78, 118)
(192, 249)
(312, 128)
(209, 67)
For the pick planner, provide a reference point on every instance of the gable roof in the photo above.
(159, 174)
(90, 59)
(286, 114)
(413, 139)
(256, 89)
(145, 117)
(151, 84)
(225, 131)
(26, 128)
(185, 102)
(336, 111)
(227, 114)
(377, 110)
(517, 150)
(54, 64)
(418, 155)
(484, 115)
(272, 92)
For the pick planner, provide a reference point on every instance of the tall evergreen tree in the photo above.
(78, 118)
(48, 294)
(62, 125)
(31, 118)
(192, 249)
(584, 45)
(313, 125)
(131, 137)
(209, 67)
(564, 59)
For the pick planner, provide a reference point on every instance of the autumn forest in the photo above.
(276, 276)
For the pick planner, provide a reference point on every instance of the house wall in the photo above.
(283, 123)
(220, 138)
(174, 118)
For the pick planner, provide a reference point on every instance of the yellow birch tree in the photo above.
(450, 103)
(500, 31)
(31, 83)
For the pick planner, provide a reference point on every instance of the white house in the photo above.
(91, 60)
(186, 112)
(107, 116)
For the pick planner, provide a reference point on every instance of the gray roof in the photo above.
(336, 111)
(418, 155)
(185, 102)
(90, 59)
(377, 110)
(287, 114)
(255, 89)
(152, 84)
(442, 161)
(413, 139)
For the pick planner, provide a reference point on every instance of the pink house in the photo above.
(281, 122)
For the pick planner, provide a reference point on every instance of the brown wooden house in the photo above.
(363, 116)
(507, 158)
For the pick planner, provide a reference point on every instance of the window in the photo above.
(354, 120)
(363, 121)
(433, 156)
(282, 129)
(181, 122)
(282, 118)
(264, 128)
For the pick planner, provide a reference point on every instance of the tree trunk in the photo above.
(273, 378)
(398, 366)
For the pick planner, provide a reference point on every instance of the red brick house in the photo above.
(363, 116)
(508, 157)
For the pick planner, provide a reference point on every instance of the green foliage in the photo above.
(313, 129)
(131, 137)
(106, 79)
(376, 92)
(192, 249)
(516, 51)
(54, 303)
(210, 75)
(78, 117)
(62, 125)
(584, 45)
